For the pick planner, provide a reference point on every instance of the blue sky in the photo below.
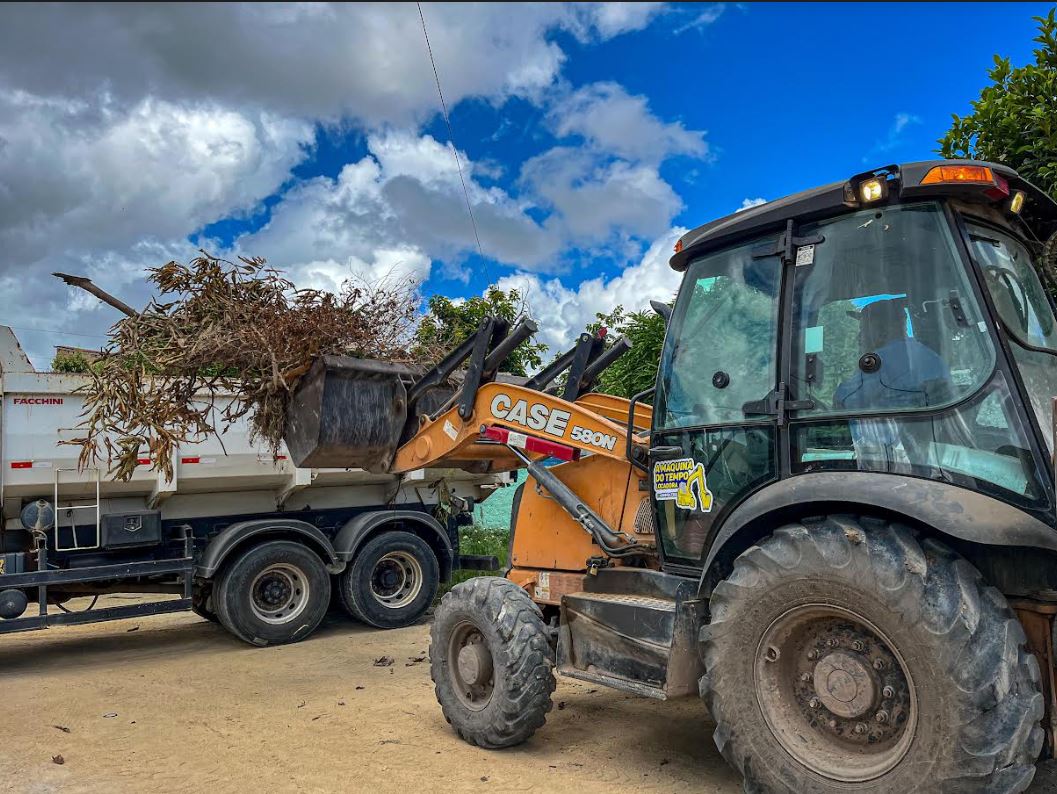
(592, 136)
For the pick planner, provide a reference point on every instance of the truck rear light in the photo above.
(21, 464)
(531, 443)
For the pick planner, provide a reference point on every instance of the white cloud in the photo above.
(126, 128)
(610, 119)
(358, 60)
(749, 203)
(612, 19)
(894, 138)
(564, 312)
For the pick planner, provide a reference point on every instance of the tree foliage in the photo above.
(636, 370)
(1015, 119)
(448, 322)
(70, 362)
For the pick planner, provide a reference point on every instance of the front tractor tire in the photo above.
(273, 593)
(491, 662)
(847, 656)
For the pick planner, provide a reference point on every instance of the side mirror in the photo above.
(664, 310)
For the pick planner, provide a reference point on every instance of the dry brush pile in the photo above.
(222, 341)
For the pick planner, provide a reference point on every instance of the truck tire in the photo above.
(391, 582)
(846, 655)
(274, 593)
(491, 662)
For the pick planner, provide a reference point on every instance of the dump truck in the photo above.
(832, 517)
(238, 534)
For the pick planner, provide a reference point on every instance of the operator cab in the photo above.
(894, 323)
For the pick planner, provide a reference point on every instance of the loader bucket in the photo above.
(348, 413)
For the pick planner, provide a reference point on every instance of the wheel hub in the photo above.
(835, 693)
(475, 664)
(845, 684)
(470, 667)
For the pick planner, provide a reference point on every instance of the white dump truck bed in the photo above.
(215, 476)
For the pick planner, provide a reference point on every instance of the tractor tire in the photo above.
(272, 594)
(847, 656)
(491, 662)
(391, 582)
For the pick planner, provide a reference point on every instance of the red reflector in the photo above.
(1000, 190)
(531, 443)
(21, 464)
(280, 457)
(143, 461)
(190, 460)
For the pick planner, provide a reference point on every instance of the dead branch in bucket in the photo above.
(225, 340)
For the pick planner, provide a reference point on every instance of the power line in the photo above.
(56, 331)
(451, 135)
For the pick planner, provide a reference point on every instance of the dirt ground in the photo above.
(173, 703)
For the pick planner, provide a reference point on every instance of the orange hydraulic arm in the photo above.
(596, 423)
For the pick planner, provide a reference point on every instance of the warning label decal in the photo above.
(682, 481)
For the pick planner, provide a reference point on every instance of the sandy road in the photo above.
(197, 710)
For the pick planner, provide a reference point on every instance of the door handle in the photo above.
(665, 451)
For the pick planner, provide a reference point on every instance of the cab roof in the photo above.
(904, 184)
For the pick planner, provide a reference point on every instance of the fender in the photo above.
(957, 512)
(223, 544)
(351, 536)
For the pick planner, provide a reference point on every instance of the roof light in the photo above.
(975, 174)
(678, 246)
(875, 189)
(1016, 204)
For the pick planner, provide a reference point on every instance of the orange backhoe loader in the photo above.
(835, 521)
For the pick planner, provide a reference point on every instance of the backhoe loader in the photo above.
(833, 517)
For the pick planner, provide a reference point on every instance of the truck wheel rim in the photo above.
(836, 693)
(470, 668)
(279, 593)
(396, 579)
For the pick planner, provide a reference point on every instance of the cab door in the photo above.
(711, 444)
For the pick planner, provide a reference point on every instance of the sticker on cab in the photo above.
(682, 481)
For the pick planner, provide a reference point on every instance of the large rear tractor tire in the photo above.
(847, 656)
(391, 582)
(272, 594)
(491, 662)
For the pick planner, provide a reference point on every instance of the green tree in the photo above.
(636, 370)
(448, 322)
(1015, 119)
(70, 362)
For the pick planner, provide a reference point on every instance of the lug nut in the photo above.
(832, 725)
(859, 645)
(888, 693)
(812, 655)
(860, 728)
(815, 703)
(806, 678)
(879, 664)
(881, 716)
(832, 642)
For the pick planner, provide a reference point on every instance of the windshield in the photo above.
(884, 316)
(1025, 313)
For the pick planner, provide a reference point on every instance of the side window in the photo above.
(721, 348)
(980, 445)
(885, 316)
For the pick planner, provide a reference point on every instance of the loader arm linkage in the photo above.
(586, 425)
